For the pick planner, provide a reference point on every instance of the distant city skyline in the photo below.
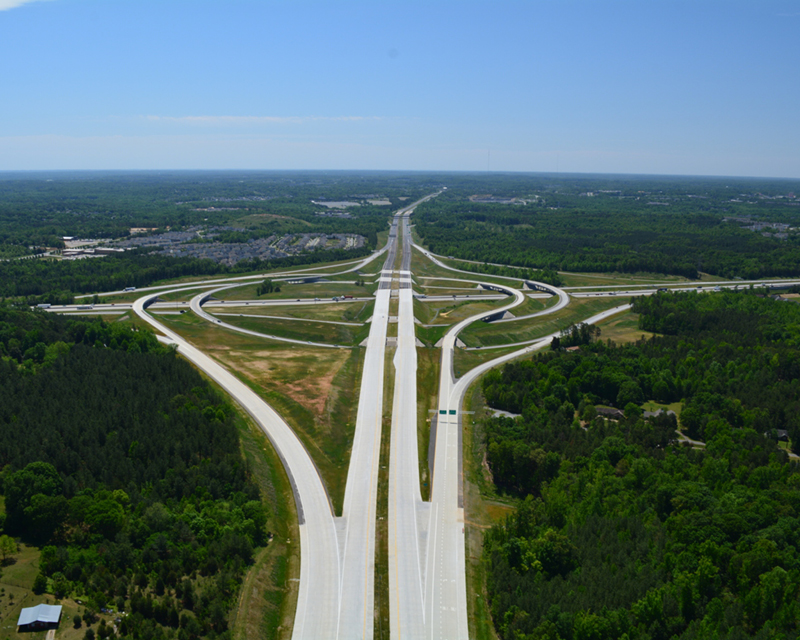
(660, 87)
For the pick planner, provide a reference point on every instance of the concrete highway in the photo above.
(445, 600)
(427, 583)
(358, 523)
(336, 590)
(408, 514)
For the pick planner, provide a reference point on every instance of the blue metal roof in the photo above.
(45, 613)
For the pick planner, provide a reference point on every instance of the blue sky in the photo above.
(651, 86)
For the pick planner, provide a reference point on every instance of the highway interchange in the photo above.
(426, 539)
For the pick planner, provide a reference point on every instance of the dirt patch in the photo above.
(307, 379)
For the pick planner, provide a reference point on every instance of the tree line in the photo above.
(123, 464)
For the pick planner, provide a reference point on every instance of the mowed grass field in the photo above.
(306, 331)
(422, 266)
(622, 328)
(481, 334)
(464, 361)
(314, 389)
(16, 594)
(343, 311)
(451, 312)
(599, 279)
(321, 290)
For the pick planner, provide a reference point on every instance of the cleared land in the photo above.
(622, 328)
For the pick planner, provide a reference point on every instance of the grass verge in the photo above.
(307, 331)
(428, 368)
(268, 595)
(484, 334)
(382, 626)
(481, 510)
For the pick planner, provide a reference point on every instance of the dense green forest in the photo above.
(124, 465)
(670, 226)
(624, 532)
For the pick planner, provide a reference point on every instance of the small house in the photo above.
(610, 412)
(42, 616)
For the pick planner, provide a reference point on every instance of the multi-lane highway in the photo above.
(426, 545)
(408, 514)
(357, 528)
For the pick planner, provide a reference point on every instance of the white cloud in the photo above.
(249, 120)
(5, 5)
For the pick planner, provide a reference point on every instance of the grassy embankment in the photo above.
(620, 279)
(307, 331)
(268, 595)
(321, 290)
(428, 368)
(424, 268)
(357, 311)
(382, 626)
(481, 334)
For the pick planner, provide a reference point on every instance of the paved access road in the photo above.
(446, 591)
